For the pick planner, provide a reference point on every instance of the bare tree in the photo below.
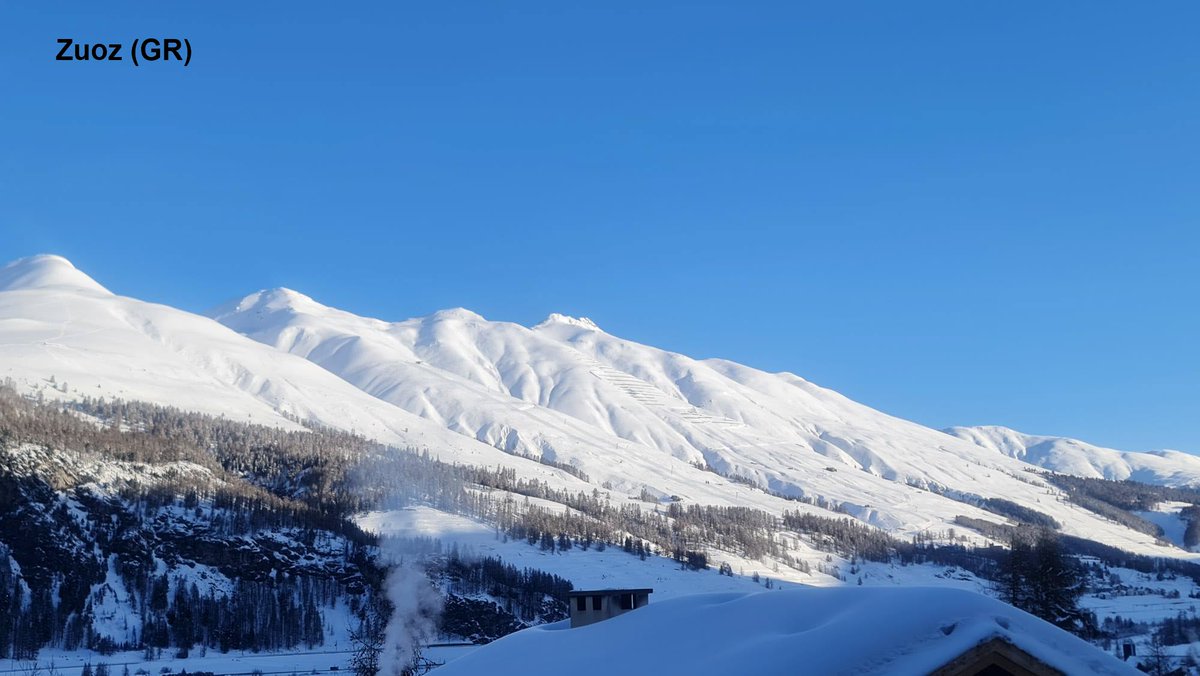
(367, 640)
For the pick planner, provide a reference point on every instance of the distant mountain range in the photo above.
(1071, 456)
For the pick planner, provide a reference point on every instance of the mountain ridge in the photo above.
(1080, 458)
(562, 402)
(776, 431)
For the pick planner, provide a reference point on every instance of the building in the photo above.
(590, 606)
(865, 631)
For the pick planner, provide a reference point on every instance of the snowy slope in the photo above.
(368, 355)
(1071, 456)
(56, 322)
(741, 421)
(591, 569)
(630, 413)
(613, 567)
(810, 631)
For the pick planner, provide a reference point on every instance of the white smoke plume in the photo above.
(416, 605)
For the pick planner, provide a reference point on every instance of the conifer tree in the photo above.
(1038, 577)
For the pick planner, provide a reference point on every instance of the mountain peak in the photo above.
(266, 300)
(47, 271)
(459, 313)
(280, 297)
(581, 322)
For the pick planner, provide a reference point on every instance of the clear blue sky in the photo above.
(958, 212)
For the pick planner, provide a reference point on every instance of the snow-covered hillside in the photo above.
(56, 323)
(1071, 456)
(623, 412)
(607, 414)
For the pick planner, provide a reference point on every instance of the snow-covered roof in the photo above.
(847, 630)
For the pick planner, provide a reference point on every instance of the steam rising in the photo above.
(416, 605)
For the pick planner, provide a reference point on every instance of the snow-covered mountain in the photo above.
(57, 323)
(599, 412)
(1071, 456)
(569, 390)
(64, 335)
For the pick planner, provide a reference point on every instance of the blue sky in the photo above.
(960, 213)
